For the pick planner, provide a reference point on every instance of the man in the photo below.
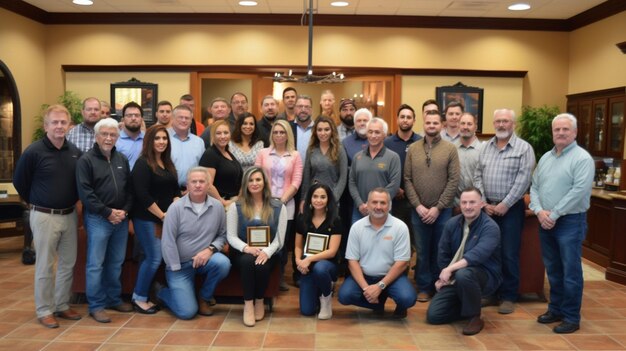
(194, 233)
(347, 108)
(82, 135)
(469, 257)
(378, 252)
(269, 108)
(399, 143)
(187, 149)
(503, 174)
(239, 107)
(303, 125)
(164, 113)
(374, 167)
(453, 113)
(219, 109)
(468, 146)
(289, 100)
(130, 141)
(431, 176)
(559, 195)
(195, 128)
(358, 141)
(107, 198)
(45, 177)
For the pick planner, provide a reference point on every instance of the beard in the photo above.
(133, 129)
(503, 134)
(348, 120)
(431, 134)
(405, 129)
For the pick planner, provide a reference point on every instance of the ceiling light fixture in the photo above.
(519, 7)
(334, 77)
(248, 3)
(339, 3)
(83, 2)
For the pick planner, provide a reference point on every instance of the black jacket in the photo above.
(104, 185)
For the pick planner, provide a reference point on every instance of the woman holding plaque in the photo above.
(255, 227)
(224, 168)
(326, 160)
(318, 236)
(246, 142)
(155, 187)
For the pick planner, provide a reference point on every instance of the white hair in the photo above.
(567, 116)
(378, 120)
(504, 111)
(363, 111)
(106, 123)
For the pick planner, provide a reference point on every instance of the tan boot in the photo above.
(259, 309)
(248, 313)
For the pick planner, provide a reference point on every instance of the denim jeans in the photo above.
(561, 248)
(180, 296)
(317, 282)
(511, 225)
(356, 215)
(106, 249)
(427, 242)
(460, 300)
(151, 246)
(401, 291)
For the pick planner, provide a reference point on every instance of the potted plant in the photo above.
(535, 126)
(71, 101)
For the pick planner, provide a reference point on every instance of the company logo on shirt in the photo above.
(381, 165)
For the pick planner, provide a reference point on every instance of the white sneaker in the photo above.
(326, 309)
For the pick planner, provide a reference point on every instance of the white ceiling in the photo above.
(541, 9)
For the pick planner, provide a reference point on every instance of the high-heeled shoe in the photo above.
(152, 310)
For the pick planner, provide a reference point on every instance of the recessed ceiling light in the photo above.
(519, 7)
(83, 2)
(339, 3)
(248, 3)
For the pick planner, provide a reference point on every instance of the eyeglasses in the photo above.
(108, 135)
(303, 107)
(431, 112)
(131, 115)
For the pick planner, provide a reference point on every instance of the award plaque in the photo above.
(315, 243)
(258, 236)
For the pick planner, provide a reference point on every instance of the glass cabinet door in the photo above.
(599, 128)
(616, 125)
(584, 124)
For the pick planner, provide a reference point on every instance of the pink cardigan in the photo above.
(293, 173)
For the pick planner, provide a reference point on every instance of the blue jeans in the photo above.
(151, 245)
(511, 225)
(561, 249)
(106, 250)
(427, 242)
(401, 291)
(356, 215)
(317, 282)
(180, 296)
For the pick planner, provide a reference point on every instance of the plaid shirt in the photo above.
(504, 175)
(82, 137)
(343, 131)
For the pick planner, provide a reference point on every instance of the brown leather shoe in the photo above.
(474, 326)
(68, 314)
(48, 321)
(204, 308)
(100, 316)
(423, 297)
(122, 307)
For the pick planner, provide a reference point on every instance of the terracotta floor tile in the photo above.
(16, 316)
(156, 321)
(621, 338)
(530, 327)
(208, 323)
(437, 342)
(180, 348)
(599, 314)
(595, 342)
(605, 327)
(87, 334)
(541, 342)
(137, 336)
(72, 346)
(6, 328)
(614, 302)
(485, 341)
(125, 347)
(35, 332)
(21, 345)
(189, 337)
(117, 320)
(383, 326)
(239, 339)
(289, 340)
(340, 340)
(235, 323)
(294, 325)
(335, 325)
(389, 341)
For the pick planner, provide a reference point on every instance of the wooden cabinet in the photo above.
(616, 271)
(600, 120)
(597, 243)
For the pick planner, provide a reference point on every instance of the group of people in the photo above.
(282, 183)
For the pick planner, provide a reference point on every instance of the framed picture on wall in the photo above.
(145, 94)
(470, 97)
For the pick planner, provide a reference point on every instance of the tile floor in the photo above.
(603, 326)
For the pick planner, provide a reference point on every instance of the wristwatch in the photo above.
(214, 249)
(382, 285)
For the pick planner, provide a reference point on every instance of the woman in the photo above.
(326, 160)
(155, 187)
(283, 166)
(319, 270)
(327, 105)
(246, 143)
(224, 168)
(255, 208)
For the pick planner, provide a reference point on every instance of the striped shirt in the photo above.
(82, 137)
(503, 175)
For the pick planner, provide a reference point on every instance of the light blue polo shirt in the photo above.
(186, 153)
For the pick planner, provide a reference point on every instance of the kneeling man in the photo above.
(378, 253)
(469, 258)
(194, 233)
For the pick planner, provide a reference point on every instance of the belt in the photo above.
(53, 211)
(493, 202)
